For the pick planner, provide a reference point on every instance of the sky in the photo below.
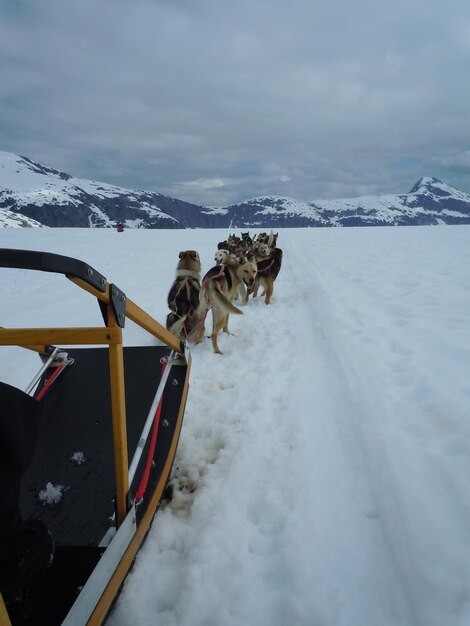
(217, 102)
(321, 476)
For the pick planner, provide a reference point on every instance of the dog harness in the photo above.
(265, 269)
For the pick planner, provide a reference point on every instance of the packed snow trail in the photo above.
(273, 421)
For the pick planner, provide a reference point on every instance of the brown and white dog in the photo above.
(183, 297)
(218, 290)
(261, 251)
(225, 257)
(246, 274)
(247, 243)
(268, 269)
(245, 269)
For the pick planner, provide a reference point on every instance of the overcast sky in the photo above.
(217, 101)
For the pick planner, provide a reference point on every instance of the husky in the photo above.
(247, 243)
(218, 290)
(225, 257)
(183, 297)
(246, 273)
(272, 239)
(221, 255)
(261, 251)
(268, 269)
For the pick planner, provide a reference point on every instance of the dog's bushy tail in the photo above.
(175, 324)
(222, 301)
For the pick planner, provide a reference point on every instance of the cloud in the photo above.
(204, 183)
(307, 99)
(454, 160)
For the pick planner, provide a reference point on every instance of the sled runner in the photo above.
(107, 439)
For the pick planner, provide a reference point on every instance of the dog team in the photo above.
(243, 265)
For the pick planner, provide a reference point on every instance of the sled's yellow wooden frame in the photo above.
(4, 619)
(37, 339)
(111, 335)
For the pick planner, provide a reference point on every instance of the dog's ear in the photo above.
(181, 255)
(194, 255)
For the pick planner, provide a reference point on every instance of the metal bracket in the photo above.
(118, 302)
(180, 359)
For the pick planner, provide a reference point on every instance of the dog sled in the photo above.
(109, 430)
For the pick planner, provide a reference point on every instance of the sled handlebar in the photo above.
(49, 262)
(92, 281)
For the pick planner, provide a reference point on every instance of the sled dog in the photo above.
(246, 274)
(272, 239)
(247, 243)
(221, 256)
(218, 289)
(226, 257)
(183, 297)
(268, 269)
(261, 251)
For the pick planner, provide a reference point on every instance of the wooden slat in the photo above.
(147, 322)
(4, 618)
(70, 336)
(38, 348)
(101, 295)
(137, 315)
(118, 404)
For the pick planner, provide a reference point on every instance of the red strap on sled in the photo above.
(148, 466)
(51, 379)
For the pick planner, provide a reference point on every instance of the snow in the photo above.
(10, 219)
(52, 494)
(78, 458)
(322, 471)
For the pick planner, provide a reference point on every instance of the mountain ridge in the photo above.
(32, 194)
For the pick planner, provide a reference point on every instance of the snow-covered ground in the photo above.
(322, 477)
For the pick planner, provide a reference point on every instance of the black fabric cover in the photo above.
(77, 418)
(20, 417)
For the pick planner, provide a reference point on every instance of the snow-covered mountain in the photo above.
(430, 201)
(10, 219)
(56, 199)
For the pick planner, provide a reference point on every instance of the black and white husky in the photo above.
(183, 297)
